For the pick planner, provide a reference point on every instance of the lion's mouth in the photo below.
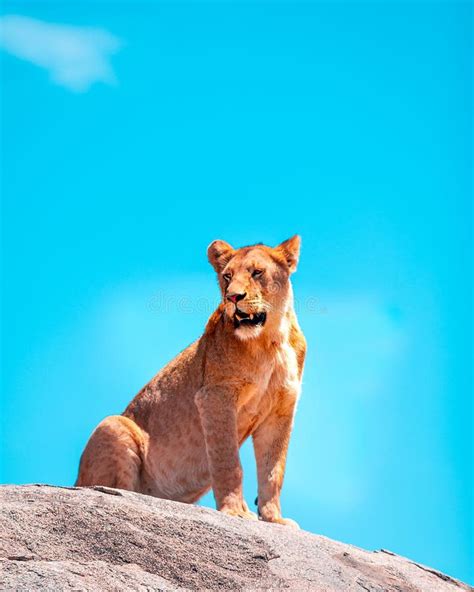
(245, 319)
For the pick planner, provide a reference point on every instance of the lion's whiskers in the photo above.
(262, 304)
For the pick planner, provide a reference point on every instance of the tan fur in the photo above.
(181, 434)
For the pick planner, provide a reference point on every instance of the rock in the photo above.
(106, 539)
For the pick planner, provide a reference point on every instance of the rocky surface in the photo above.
(105, 539)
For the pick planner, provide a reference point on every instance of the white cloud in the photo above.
(75, 57)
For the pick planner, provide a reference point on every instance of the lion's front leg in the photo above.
(217, 411)
(271, 441)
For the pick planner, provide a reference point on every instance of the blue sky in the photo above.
(132, 137)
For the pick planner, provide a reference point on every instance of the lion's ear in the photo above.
(290, 249)
(219, 254)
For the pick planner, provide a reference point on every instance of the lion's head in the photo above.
(254, 282)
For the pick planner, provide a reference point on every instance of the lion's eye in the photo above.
(257, 273)
(227, 277)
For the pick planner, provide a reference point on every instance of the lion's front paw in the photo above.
(288, 522)
(275, 518)
(239, 512)
(283, 521)
(270, 512)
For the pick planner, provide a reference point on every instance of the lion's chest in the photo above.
(269, 379)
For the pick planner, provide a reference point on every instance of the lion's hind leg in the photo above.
(113, 456)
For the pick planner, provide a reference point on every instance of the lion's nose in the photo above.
(235, 297)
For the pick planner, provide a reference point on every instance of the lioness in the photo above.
(181, 434)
